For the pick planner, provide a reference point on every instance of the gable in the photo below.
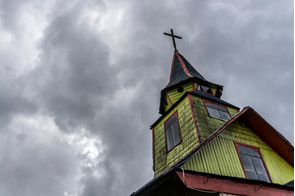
(219, 156)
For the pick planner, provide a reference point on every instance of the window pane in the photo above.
(249, 168)
(248, 151)
(175, 133)
(171, 121)
(224, 115)
(205, 88)
(260, 169)
(213, 112)
(217, 107)
(202, 88)
(169, 138)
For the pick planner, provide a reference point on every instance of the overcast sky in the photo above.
(81, 80)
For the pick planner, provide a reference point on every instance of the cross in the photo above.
(172, 35)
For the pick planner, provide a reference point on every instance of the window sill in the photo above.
(218, 118)
(167, 152)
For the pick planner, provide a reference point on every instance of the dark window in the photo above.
(218, 111)
(252, 163)
(172, 132)
(204, 88)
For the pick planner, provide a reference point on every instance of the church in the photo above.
(203, 145)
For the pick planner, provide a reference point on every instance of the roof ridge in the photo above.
(182, 63)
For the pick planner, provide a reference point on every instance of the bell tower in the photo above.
(178, 130)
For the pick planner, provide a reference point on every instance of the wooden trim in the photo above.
(153, 135)
(193, 116)
(231, 186)
(174, 114)
(257, 149)
(168, 98)
(183, 65)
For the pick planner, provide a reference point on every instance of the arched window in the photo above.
(252, 163)
(172, 132)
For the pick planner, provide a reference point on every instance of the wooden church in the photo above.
(203, 145)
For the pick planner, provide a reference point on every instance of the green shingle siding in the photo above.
(207, 125)
(221, 157)
(174, 95)
(188, 134)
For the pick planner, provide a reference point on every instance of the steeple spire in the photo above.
(184, 78)
(182, 70)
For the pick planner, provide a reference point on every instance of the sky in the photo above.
(81, 80)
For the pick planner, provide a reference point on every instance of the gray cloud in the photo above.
(81, 83)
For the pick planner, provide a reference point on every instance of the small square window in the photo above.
(172, 133)
(217, 111)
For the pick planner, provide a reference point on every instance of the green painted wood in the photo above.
(174, 95)
(232, 111)
(188, 134)
(166, 107)
(206, 123)
(220, 156)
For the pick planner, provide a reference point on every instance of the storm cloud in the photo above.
(81, 81)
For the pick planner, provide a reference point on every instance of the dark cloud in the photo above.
(82, 80)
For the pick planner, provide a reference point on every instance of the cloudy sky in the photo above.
(81, 80)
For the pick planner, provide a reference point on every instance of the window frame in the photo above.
(207, 101)
(207, 85)
(174, 114)
(257, 149)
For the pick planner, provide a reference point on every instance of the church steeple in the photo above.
(183, 78)
(204, 144)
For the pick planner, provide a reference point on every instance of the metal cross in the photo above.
(173, 36)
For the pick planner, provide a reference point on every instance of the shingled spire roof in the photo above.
(182, 70)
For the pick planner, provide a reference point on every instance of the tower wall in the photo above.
(189, 138)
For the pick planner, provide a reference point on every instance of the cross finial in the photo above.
(173, 38)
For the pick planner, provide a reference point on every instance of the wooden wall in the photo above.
(220, 157)
(164, 160)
